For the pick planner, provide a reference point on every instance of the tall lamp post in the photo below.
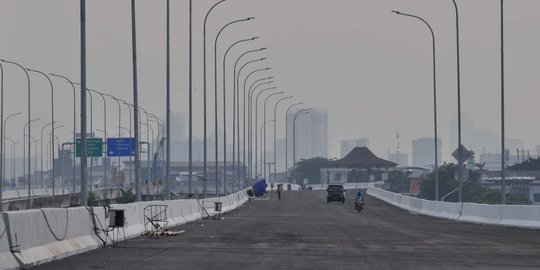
(503, 179)
(298, 114)
(256, 125)
(460, 155)
(263, 147)
(2, 140)
(225, 105)
(264, 132)
(287, 137)
(205, 159)
(41, 150)
(252, 89)
(275, 134)
(216, 108)
(436, 172)
(3, 151)
(104, 160)
(29, 120)
(236, 107)
(246, 108)
(52, 117)
(74, 114)
(29, 202)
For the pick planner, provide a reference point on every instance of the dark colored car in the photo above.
(335, 193)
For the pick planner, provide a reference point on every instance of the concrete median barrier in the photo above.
(43, 235)
(7, 260)
(521, 216)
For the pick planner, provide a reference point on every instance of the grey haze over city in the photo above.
(367, 67)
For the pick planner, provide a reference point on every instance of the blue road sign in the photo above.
(120, 147)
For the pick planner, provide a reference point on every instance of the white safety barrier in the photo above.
(32, 237)
(7, 260)
(521, 216)
(39, 236)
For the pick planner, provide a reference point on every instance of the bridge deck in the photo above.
(303, 232)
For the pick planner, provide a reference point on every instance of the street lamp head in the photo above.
(269, 68)
(261, 49)
(250, 18)
(397, 12)
(254, 38)
(262, 59)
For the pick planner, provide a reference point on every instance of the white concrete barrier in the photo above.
(521, 216)
(49, 234)
(7, 260)
(524, 216)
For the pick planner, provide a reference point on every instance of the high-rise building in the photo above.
(348, 145)
(178, 127)
(311, 134)
(401, 159)
(423, 152)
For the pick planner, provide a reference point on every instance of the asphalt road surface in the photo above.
(302, 231)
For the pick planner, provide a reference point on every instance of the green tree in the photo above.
(531, 164)
(472, 191)
(398, 181)
(92, 199)
(126, 196)
(310, 169)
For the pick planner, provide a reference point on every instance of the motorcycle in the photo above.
(359, 205)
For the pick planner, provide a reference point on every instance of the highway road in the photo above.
(302, 231)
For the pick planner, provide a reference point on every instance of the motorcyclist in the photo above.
(359, 196)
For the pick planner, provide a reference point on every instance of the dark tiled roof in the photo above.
(362, 157)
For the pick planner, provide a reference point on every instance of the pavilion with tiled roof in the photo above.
(363, 158)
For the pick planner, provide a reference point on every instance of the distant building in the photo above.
(401, 159)
(348, 145)
(311, 134)
(423, 152)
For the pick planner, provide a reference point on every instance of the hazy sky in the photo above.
(369, 68)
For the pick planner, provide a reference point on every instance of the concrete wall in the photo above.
(36, 236)
(521, 216)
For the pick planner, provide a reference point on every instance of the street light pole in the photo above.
(503, 179)
(250, 122)
(135, 102)
(41, 150)
(263, 148)
(52, 120)
(236, 110)
(74, 114)
(264, 141)
(256, 125)
(104, 160)
(2, 140)
(216, 108)
(29, 121)
(275, 135)
(436, 171)
(205, 159)
(84, 194)
(245, 109)
(460, 155)
(3, 151)
(225, 109)
(298, 114)
(287, 137)
(29, 202)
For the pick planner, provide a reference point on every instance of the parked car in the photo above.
(335, 193)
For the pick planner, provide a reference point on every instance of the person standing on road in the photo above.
(278, 190)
